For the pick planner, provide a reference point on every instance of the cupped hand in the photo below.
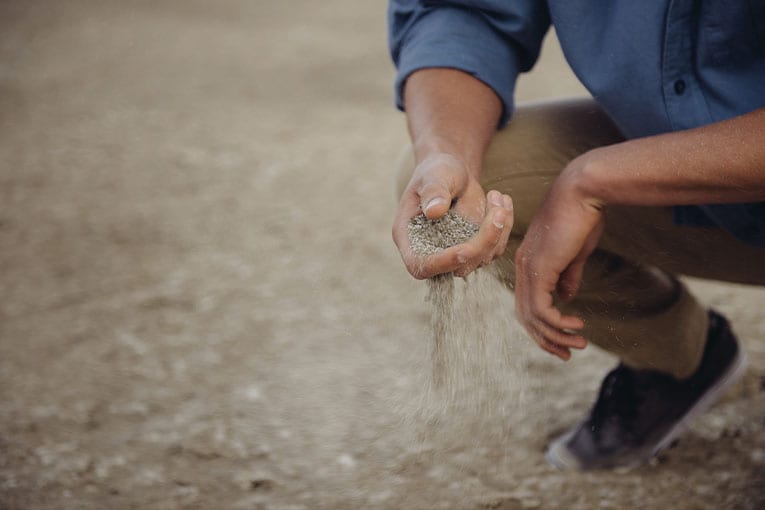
(439, 183)
(551, 258)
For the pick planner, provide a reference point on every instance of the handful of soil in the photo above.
(430, 236)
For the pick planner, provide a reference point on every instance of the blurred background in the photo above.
(201, 305)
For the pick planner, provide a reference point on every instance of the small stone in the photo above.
(261, 484)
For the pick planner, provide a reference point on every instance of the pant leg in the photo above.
(633, 305)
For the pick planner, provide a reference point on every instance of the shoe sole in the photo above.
(558, 456)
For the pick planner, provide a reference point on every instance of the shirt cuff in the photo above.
(463, 40)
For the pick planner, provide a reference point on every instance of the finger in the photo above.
(407, 209)
(538, 295)
(435, 198)
(560, 338)
(502, 244)
(494, 197)
(548, 339)
(446, 261)
(489, 233)
(555, 319)
(556, 350)
(544, 316)
(560, 352)
(480, 249)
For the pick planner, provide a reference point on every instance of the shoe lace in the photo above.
(618, 400)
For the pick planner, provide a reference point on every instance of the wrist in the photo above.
(434, 154)
(586, 178)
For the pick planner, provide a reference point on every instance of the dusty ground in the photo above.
(201, 306)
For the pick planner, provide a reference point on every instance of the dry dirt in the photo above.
(201, 305)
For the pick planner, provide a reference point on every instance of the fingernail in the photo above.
(496, 199)
(434, 202)
(498, 221)
(461, 257)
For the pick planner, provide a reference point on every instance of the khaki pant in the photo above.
(631, 301)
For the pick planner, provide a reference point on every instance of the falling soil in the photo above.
(473, 365)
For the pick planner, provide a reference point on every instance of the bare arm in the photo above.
(450, 112)
(452, 118)
(722, 162)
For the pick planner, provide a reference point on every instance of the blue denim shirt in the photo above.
(654, 66)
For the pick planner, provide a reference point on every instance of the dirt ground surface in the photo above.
(201, 305)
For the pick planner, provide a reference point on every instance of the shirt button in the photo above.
(680, 87)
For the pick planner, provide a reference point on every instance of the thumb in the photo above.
(435, 199)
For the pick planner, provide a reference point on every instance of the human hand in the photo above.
(438, 182)
(563, 233)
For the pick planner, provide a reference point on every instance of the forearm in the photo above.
(452, 117)
(451, 112)
(722, 162)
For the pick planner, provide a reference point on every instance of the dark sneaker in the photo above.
(639, 412)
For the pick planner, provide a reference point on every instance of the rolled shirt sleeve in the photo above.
(492, 40)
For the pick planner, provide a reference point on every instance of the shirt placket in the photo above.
(683, 98)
